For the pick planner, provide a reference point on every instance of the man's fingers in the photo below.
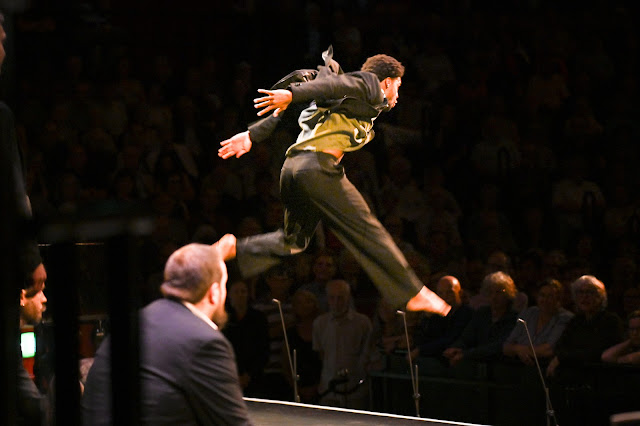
(266, 110)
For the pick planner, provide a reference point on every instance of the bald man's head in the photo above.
(449, 289)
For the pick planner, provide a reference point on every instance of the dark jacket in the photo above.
(356, 94)
(187, 372)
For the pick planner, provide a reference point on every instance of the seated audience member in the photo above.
(188, 373)
(387, 334)
(364, 293)
(248, 333)
(592, 330)
(436, 333)
(324, 268)
(300, 337)
(342, 337)
(484, 335)
(499, 261)
(32, 406)
(546, 321)
(627, 351)
(278, 281)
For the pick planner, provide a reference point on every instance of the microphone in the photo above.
(550, 412)
(414, 377)
(292, 364)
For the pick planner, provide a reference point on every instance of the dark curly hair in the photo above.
(383, 66)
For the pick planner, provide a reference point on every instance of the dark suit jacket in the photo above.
(187, 371)
(32, 405)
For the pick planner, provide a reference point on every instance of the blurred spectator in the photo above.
(274, 383)
(489, 326)
(342, 336)
(436, 333)
(248, 333)
(546, 321)
(387, 334)
(547, 89)
(499, 261)
(592, 330)
(300, 337)
(587, 335)
(576, 200)
(364, 293)
(324, 269)
(628, 351)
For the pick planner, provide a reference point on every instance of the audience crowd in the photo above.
(508, 168)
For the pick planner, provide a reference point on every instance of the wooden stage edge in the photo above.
(265, 412)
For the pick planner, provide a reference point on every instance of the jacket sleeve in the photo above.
(262, 129)
(216, 396)
(360, 85)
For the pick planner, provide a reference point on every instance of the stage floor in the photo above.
(266, 412)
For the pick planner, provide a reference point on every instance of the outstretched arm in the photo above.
(240, 144)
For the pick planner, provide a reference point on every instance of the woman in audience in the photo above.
(587, 335)
(546, 321)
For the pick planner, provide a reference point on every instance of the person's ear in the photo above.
(214, 293)
(23, 297)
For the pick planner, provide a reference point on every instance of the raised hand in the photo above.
(237, 145)
(226, 246)
(277, 100)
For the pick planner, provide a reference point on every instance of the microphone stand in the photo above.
(549, 409)
(292, 364)
(414, 377)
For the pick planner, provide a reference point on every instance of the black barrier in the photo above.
(506, 392)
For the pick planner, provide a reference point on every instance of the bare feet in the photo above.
(227, 246)
(428, 301)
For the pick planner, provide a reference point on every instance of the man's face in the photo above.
(548, 299)
(32, 300)
(324, 268)
(588, 299)
(449, 292)
(338, 299)
(390, 89)
(498, 298)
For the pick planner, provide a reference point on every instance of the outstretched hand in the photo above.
(226, 246)
(237, 145)
(277, 100)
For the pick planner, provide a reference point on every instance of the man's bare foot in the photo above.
(227, 246)
(428, 301)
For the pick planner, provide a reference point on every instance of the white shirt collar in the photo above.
(199, 314)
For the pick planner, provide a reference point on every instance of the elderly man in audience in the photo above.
(342, 336)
